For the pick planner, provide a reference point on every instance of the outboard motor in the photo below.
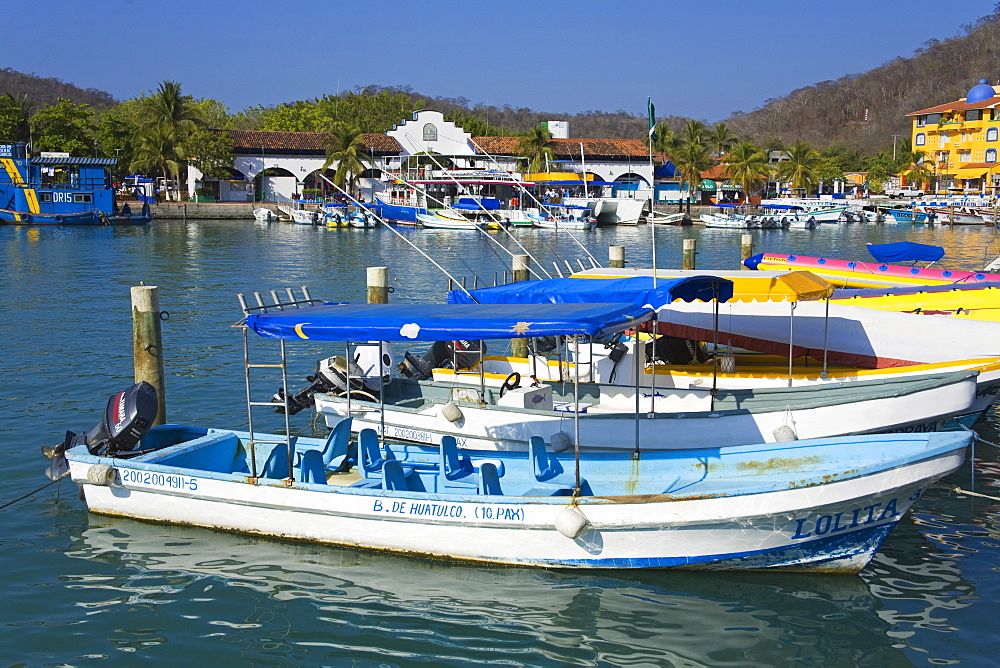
(127, 418)
(462, 354)
(331, 376)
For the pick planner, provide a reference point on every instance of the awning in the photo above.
(634, 290)
(707, 185)
(729, 185)
(795, 286)
(446, 322)
(103, 162)
(564, 177)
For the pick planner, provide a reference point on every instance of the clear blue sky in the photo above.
(701, 59)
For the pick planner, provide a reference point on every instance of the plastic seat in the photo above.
(312, 469)
(394, 476)
(336, 444)
(550, 478)
(489, 480)
(454, 471)
(276, 464)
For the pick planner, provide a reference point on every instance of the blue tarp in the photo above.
(488, 203)
(634, 290)
(446, 322)
(905, 251)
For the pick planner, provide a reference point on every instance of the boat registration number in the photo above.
(152, 479)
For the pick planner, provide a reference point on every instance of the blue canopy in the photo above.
(633, 290)
(905, 251)
(471, 203)
(446, 322)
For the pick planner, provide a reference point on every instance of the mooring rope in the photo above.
(959, 490)
(32, 493)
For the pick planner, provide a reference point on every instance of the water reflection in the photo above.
(366, 604)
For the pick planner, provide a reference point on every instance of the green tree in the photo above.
(64, 126)
(880, 168)
(116, 131)
(15, 117)
(211, 151)
(918, 171)
(167, 120)
(800, 170)
(691, 157)
(667, 141)
(537, 146)
(346, 147)
(720, 138)
(746, 164)
(157, 152)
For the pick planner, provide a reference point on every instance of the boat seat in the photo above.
(394, 476)
(374, 457)
(455, 470)
(550, 478)
(312, 468)
(276, 464)
(336, 444)
(489, 480)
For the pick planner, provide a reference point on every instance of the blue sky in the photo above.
(701, 59)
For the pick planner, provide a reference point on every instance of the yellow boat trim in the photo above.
(32, 197)
(12, 173)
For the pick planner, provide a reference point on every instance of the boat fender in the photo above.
(571, 522)
(451, 412)
(785, 434)
(560, 441)
(101, 474)
(58, 219)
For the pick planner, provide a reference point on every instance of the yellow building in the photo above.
(960, 140)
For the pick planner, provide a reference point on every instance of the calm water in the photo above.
(81, 589)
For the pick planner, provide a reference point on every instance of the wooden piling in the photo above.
(519, 267)
(378, 285)
(746, 248)
(690, 250)
(616, 256)
(147, 344)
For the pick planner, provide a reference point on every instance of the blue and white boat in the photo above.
(907, 215)
(824, 505)
(562, 217)
(57, 189)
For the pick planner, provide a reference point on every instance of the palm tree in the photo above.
(746, 164)
(801, 168)
(691, 159)
(667, 140)
(157, 152)
(917, 171)
(346, 147)
(167, 120)
(720, 138)
(15, 117)
(537, 146)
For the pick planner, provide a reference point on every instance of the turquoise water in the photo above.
(82, 589)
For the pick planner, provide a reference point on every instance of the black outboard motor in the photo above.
(331, 376)
(127, 418)
(462, 354)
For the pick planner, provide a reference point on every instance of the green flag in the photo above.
(652, 119)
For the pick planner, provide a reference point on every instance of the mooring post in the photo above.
(746, 249)
(519, 267)
(616, 256)
(689, 252)
(147, 343)
(378, 285)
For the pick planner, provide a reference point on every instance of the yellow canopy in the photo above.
(542, 177)
(793, 286)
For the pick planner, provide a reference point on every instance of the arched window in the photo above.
(921, 139)
(991, 134)
(430, 132)
(991, 155)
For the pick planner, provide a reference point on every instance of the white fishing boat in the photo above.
(264, 215)
(723, 221)
(613, 210)
(439, 221)
(822, 505)
(301, 216)
(562, 217)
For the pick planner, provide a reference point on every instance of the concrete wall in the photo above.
(212, 211)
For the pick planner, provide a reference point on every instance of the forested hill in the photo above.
(43, 91)
(939, 72)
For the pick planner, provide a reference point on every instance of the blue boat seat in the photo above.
(312, 468)
(550, 478)
(455, 470)
(276, 464)
(489, 480)
(394, 476)
(336, 444)
(373, 457)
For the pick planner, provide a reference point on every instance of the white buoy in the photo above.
(571, 522)
(101, 474)
(784, 434)
(560, 442)
(451, 412)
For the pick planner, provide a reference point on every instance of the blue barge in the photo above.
(59, 190)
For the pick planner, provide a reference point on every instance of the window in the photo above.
(933, 118)
(974, 114)
(44, 197)
(942, 139)
(965, 156)
(991, 134)
(921, 139)
(82, 198)
(991, 155)
(430, 132)
(921, 121)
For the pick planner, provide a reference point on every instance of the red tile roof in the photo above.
(570, 148)
(958, 105)
(978, 165)
(304, 142)
(715, 173)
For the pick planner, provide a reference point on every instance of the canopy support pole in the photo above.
(826, 334)
(715, 353)
(652, 366)
(637, 367)
(576, 416)
(791, 347)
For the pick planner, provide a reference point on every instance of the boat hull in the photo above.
(849, 274)
(834, 525)
(8, 217)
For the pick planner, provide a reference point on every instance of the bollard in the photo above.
(687, 261)
(519, 265)
(147, 344)
(616, 256)
(378, 285)
(746, 249)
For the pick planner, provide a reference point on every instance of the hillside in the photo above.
(940, 71)
(44, 91)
